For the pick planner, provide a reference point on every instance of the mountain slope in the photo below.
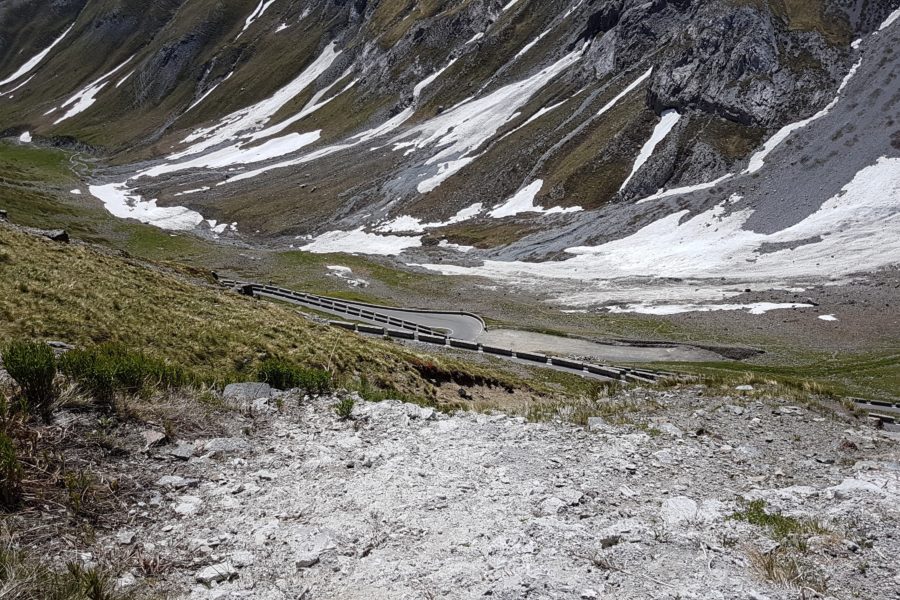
(545, 120)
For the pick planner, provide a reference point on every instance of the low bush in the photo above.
(344, 408)
(11, 472)
(103, 371)
(27, 579)
(32, 365)
(284, 376)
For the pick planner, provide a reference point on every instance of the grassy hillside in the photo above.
(82, 295)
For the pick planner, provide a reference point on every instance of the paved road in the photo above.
(461, 326)
(449, 329)
(458, 325)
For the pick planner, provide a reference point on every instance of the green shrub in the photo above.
(33, 366)
(344, 407)
(284, 376)
(11, 471)
(373, 393)
(103, 371)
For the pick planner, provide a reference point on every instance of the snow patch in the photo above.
(346, 273)
(828, 318)
(87, 96)
(417, 91)
(238, 155)
(757, 308)
(358, 241)
(123, 203)
(462, 129)
(759, 159)
(531, 44)
(35, 60)
(21, 85)
(75, 192)
(25, 138)
(668, 121)
(408, 224)
(257, 13)
(685, 190)
(890, 20)
(523, 202)
(256, 116)
(195, 191)
(631, 87)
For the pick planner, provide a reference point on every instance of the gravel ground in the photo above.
(404, 502)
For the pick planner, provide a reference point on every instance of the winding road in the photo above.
(458, 330)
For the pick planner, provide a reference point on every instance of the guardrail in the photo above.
(427, 335)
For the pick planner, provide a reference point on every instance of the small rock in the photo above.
(183, 451)
(125, 581)
(216, 573)
(152, 438)
(744, 388)
(246, 392)
(415, 411)
(262, 405)
(219, 446)
(307, 559)
(596, 424)
(670, 429)
(188, 505)
(550, 506)
(125, 538)
(175, 482)
(265, 475)
(242, 558)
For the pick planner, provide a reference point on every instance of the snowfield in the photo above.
(855, 230)
(461, 130)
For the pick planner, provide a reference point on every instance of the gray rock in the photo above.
(414, 411)
(188, 505)
(670, 429)
(549, 507)
(242, 558)
(57, 235)
(152, 438)
(221, 446)
(596, 424)
(183, 451)
(246, 392)
(744, 388)
(175, 482)
(125, 538)
(262, 405)
(216, 573)
(125, 581)
(307, 559)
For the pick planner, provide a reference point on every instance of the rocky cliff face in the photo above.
(299, 117)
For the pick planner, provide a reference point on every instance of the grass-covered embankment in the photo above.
(81, 295)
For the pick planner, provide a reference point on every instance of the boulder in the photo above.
(57, 235)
